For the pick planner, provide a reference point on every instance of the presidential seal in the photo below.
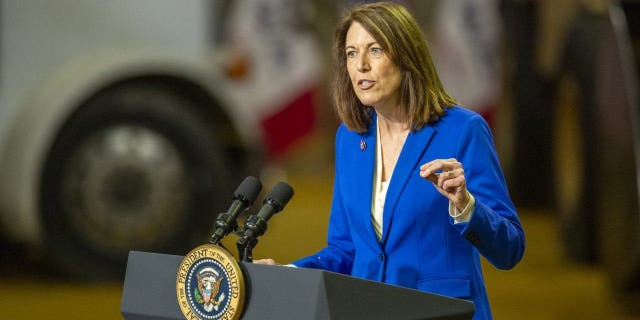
(210, 284)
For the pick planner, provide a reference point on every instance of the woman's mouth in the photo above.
(365, 84)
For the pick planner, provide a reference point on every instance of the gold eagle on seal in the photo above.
(209, 282)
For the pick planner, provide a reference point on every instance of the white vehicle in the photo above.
(114, 133)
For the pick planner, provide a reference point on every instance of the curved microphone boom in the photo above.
(243, 198)
(256, 224)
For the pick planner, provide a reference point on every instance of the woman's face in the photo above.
(374, 77)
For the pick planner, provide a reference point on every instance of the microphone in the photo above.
(243, 198)
(256, 224)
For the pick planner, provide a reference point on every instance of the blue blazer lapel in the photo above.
(407, 165)
(359, 174)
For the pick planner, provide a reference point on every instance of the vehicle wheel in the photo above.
(136, 167)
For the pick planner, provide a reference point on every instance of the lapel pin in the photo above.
(363, 145)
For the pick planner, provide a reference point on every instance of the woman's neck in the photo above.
(393, 134)
(392, 126)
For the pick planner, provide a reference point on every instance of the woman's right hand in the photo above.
(268, 261)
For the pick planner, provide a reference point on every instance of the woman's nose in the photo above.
(363, 63)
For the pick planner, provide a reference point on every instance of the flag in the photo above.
(273, 67)
(466, 52)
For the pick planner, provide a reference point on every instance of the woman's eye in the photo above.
(376, 51)
(351, 53)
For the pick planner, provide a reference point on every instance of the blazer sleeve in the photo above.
(337, 256)
(494, 228)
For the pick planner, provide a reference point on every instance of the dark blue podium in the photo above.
(277, 292)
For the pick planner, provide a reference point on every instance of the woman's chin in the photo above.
(368, 102)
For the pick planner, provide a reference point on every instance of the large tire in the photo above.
(137, 167)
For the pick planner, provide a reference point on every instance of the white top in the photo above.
(379, 189)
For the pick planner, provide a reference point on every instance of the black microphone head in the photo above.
(248, 190)
(279, 195)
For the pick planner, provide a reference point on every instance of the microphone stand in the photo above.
(222, 228)
(245, 251)
(252, 229)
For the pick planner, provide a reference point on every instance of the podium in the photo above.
(278, 292)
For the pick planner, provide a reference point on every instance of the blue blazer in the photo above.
(421, 246)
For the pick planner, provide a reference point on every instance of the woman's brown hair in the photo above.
(423, 99)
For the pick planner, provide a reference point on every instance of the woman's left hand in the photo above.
(448, 177)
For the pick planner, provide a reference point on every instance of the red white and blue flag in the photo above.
(274, 65)
(466, 51)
